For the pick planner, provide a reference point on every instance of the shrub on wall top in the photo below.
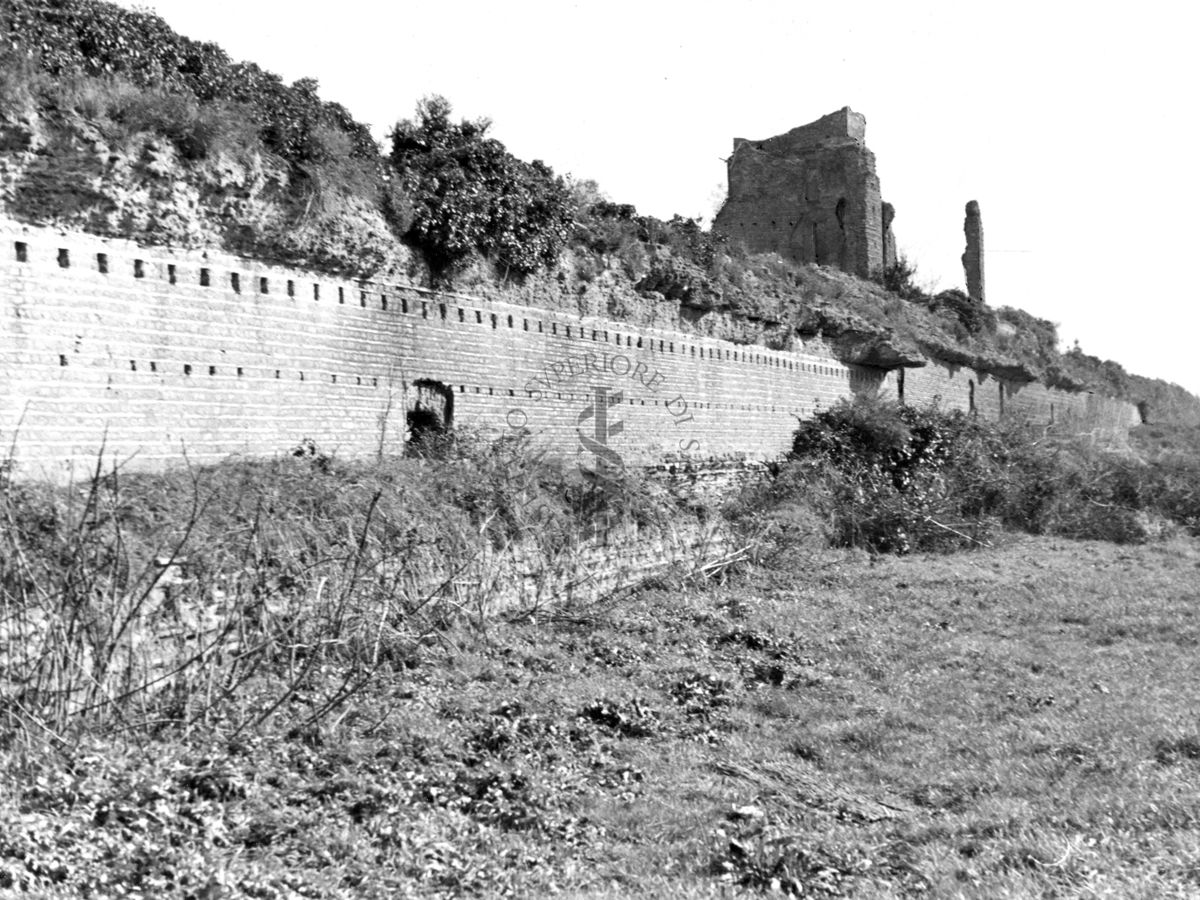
(469, 193)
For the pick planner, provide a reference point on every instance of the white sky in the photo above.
(1074, 125)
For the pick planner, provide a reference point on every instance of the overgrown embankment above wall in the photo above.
(112, 123)
(154, 357)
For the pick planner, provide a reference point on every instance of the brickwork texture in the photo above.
(154, 357)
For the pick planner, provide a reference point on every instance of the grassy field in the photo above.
(1016, 722)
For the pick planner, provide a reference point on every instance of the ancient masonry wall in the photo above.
(157, 356)
(1104, 419)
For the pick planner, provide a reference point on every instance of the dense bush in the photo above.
(470, 194)
(974, 316)
(93, 38)
(894, 478)
(900, 278)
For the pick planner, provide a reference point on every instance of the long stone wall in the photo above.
(1104, 419)
(155, 356)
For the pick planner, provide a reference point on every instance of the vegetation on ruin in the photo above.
(891, 478)
(817, 721)
(278, 173)
(470, 195)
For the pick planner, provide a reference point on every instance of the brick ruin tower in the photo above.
(812, 196)
(972, 258)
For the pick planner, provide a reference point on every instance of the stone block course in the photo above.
(155, 367)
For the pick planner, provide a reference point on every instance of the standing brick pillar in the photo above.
(972, 259)
(889, 240)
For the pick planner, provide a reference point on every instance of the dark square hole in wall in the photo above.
(383, 301)
(205, 278)
(291, 288)
(187, 369)
(139, 268)
(568, 331)
(240, 372)
(362, 299)
(478, 317)
(442, 310)
(424, 310)
(510, 321)
(153, 367)
(264, 285)
(172, 275)
(133, 365)
(404, 305)
(462, 314)
(102, 263)
(212, 370)
(276, 373)
(494, 320)
(316, 292)
(62, 359)
(341, 295)
(22, 250)
(235, 282)
(64, 258)
(301, 376)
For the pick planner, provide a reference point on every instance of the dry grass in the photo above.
(1011, 723)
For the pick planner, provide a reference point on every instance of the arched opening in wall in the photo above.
(1143, 409)
(971, 396)
(428, 412)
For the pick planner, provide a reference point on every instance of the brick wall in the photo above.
(1068, 412)
(157, 355)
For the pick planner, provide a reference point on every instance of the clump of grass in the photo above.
(153, 598)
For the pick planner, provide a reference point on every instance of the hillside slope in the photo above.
(111, 122)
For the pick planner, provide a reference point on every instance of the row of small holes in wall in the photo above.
(139, 271)
(172, 273)
(238, 371)
(491, 392)
(663, 346)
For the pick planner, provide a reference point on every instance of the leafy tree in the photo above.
(470, 194)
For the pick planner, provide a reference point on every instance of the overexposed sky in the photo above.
(1075, 125)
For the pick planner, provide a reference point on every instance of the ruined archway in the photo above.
(428, 410)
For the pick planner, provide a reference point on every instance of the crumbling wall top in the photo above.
(842, 126)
